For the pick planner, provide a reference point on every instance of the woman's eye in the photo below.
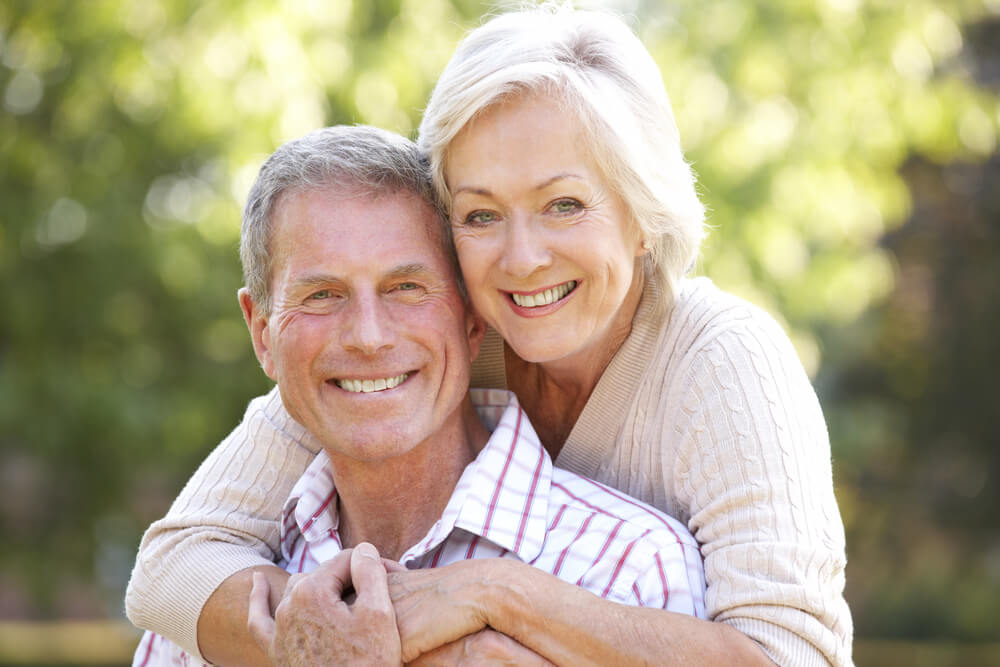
(565, 205)
(480, 218)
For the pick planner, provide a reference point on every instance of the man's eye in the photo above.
(320, 295)
(405, 287)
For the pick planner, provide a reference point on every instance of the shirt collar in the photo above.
(311, 509)
(502, 495)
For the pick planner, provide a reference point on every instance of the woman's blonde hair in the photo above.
(592, 64)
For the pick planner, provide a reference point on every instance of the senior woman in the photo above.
(575, 218)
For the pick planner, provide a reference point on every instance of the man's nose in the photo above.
(368, 328)
(525, 248)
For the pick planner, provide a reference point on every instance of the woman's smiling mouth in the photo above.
(545, 297)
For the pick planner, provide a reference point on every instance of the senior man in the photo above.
(355, 310)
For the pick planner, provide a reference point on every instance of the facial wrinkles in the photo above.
(519, 159)
(288, 310)
(283, 315)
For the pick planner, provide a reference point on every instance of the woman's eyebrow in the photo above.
(566, 175)
(486, 192)
(472, 190)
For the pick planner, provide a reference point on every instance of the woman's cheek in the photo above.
(463, 240)
(472, 254)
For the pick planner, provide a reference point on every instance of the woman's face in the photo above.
(548, 250)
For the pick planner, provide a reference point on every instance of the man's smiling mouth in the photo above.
(370, 386)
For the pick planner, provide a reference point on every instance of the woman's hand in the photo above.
(482, 649)
(439, 606)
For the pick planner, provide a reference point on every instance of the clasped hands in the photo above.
(361, 609)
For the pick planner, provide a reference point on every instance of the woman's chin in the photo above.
(541, 352)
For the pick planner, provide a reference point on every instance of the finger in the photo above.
(393, 566)
(259, 621)
(370, 579)
(489, 647)
(334, 573)
(293, 581)
(449, 654)
(437, 606)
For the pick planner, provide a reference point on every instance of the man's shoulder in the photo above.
(622, 548)
(587, 500)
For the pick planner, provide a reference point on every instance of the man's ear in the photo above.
(475, 327)
(260, 334)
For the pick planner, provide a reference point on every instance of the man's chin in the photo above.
(370, 442)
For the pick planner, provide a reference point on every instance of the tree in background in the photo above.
(131, 130)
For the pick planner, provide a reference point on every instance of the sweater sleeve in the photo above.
(224, 520)
(754, 469)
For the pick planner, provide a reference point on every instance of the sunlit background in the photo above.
(846, 149)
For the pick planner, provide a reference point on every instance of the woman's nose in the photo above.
(525, 250)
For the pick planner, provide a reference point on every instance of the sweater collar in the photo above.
(596, 431)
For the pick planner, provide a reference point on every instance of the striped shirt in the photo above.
(510, 502)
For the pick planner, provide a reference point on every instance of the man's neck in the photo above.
(393, 503)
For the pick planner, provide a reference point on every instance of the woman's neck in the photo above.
(554, 393)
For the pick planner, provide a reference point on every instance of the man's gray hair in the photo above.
(605, 81)
(359, 159)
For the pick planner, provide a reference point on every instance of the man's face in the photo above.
(368, 338)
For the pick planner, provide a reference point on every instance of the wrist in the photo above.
(504, 596)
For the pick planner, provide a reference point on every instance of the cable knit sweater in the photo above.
(706, 414)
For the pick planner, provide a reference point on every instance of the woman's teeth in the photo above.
(544, 298)
(369, 386)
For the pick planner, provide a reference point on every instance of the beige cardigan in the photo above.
(707, 414)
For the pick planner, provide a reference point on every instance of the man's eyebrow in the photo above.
(316, 279)
(408, 270)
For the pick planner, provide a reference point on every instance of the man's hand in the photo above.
(485, 648)
(314, 625)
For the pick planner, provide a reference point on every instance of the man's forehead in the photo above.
(397, 231)
(400, 271)
(367, 207)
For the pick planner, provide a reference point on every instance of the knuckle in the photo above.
(375, 616)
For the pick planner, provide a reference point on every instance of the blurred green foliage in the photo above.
(130, 132)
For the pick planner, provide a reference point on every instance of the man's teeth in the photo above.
(369, 386)
(544, 298)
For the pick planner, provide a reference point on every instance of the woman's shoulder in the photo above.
(709, 328)
(702, 315)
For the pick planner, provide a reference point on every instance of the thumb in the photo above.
(393, 566)
(369, 578)
(260, 624)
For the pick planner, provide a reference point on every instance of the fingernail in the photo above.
(367, 551)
